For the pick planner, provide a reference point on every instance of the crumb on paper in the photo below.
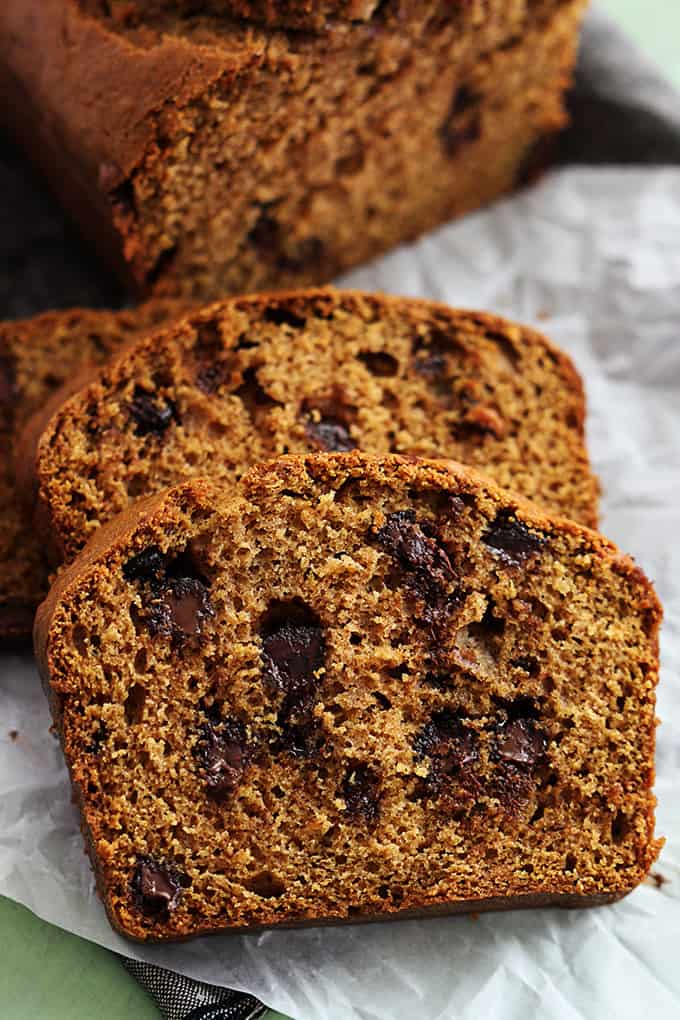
(658, 879)
(13, 734)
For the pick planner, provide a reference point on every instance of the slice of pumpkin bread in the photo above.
(260, 376)
(348, 688)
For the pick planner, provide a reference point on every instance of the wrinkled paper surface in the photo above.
(592, 257)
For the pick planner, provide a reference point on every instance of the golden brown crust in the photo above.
(622, 801)
(117, 157)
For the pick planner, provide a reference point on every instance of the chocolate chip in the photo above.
(379, 363)
(180, 609)
(520, 743)
(223, 755)
(148, 565)
(430, 353)
(253, 396)
(418, 553)
(293, 647)
(293, 652)
(284, 317)
(99, 737)
(328, 422)
(510, 540)
(265, 235)
(330, 435)
(152, 415)
(453, 748)
(156, 887)
(447, 738)
(360, 791)
(464, 98)
(462, 123)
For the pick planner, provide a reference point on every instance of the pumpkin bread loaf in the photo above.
(350, 688)
(37, 356)
(255, 377)
(207, 155)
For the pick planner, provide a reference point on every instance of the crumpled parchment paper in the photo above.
(592, 257)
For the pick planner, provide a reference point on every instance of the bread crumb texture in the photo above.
(351, 688)
(257, 377)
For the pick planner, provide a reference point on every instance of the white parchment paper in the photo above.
(593, 258)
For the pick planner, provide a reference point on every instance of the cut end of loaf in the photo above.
(353, 688)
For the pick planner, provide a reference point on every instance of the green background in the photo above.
(47, 974)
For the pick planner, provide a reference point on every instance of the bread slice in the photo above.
(260, 376)
(349, 688)
(37, 356)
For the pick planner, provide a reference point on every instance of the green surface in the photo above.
(656, 26)
(49, 975)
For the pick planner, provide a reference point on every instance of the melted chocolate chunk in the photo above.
(452, 747)
(446, 737)
(99, 737)
(180, 608)
(148, 565)
(330, 435)
(293, 647)
(223, 755)
(511, 541)
(156, 887)
(152, 415)
(518, 742)
(265, 235)
(297, 738)
(293, 652)
(361, 791)
(463, 122)
(430, 353)
(292, 256)
(420, 555)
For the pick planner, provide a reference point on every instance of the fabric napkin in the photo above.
(623, 112)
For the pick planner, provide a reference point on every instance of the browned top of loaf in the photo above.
(299, 14)
(327, 529)
(166, 62)
(255, 377)
(37, 356)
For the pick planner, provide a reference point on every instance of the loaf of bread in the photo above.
(349, 688)
(207, 155)
(255, 377)
(38, 356)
